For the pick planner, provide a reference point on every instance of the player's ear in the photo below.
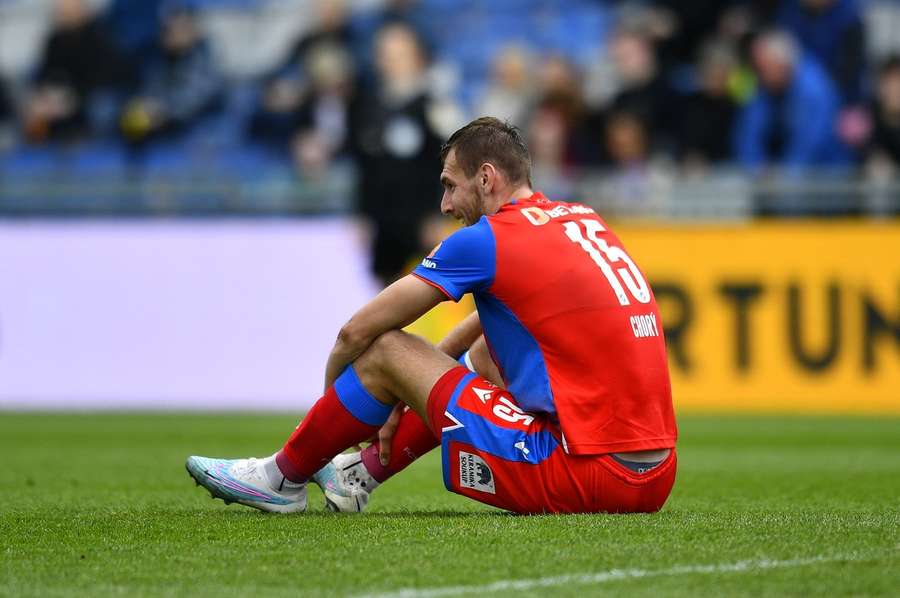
(486, 177)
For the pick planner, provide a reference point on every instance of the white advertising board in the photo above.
(183, 314)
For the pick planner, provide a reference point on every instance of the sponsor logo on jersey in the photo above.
(538, 216)
(474, 473)
(644, 326)
(429, 263)
(483, 395)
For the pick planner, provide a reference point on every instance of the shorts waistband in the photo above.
(636, 466)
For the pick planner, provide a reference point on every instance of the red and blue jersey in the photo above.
(570, 321)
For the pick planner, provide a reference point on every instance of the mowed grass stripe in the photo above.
(100, 505)
(517, 585)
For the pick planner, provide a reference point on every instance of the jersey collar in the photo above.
(536, 197)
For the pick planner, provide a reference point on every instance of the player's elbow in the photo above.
(352, 335)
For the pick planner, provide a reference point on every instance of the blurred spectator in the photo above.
(323, 117)
(370, 18)
(284, 90)
(884, 148)
(548, 136)
(398, 133)
(558, 77)
(791, 119)
(635, 180)
(560, 91)
(7, 117)
(832, 32)
(707, 117)
(332, 28)
(510, 92)
(6, 105)
(643, 89)
(359, 94)
(180, 87)
(626, 140)
(78, 60)
(691, 24)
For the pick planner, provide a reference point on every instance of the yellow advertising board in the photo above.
(782, 316)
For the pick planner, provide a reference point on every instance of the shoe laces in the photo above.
(244, 467)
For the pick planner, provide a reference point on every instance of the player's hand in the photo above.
(386, 434)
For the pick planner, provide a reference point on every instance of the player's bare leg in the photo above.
(395, 366)
(482, 364)
(350, 478)
(402, 367)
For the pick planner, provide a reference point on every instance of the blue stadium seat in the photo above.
(30, 161)
(165, 159)
(96, 159)
(232, 4)
(448, 7)
(250, 161)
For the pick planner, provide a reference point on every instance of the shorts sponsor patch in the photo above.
(474, 473)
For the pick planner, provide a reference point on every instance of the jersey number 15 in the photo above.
(605, 255)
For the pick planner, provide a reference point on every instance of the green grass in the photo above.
(100, 505)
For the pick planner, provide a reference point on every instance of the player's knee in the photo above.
(374, 365)
(388, 342)
(380, 351)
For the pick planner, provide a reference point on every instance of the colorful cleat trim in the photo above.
(216, 476)
(340, 484)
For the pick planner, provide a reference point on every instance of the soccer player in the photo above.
(572, 411)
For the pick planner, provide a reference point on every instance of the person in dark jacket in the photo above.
(397, 142)
(180, 87)
(645, 92)
(78, 60)
(708, 114)
(7, 117)
(884, 144)
(286, 91)
(323, 118)
(7, 110)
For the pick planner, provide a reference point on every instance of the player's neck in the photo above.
(505, 196)
(521, 192)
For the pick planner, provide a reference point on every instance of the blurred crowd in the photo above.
(640, 89)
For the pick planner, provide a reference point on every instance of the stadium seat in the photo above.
(95, 159)
(30, 161)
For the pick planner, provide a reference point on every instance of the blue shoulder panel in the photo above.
(465, 262)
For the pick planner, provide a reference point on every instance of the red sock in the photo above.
(412, 440)
(327, 429)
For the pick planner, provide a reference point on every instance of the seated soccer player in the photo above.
(570, 410)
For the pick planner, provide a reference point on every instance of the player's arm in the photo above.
(467, 336)
(457, 342)
(462, 336)
(395, 307)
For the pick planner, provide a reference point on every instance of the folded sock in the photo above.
(276, 479)
(411, 440)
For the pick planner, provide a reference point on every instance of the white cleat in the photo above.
(245, 481)
(346, 483)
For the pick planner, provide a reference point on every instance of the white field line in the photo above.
(614, 575)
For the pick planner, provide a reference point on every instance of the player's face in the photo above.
(461, 198)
